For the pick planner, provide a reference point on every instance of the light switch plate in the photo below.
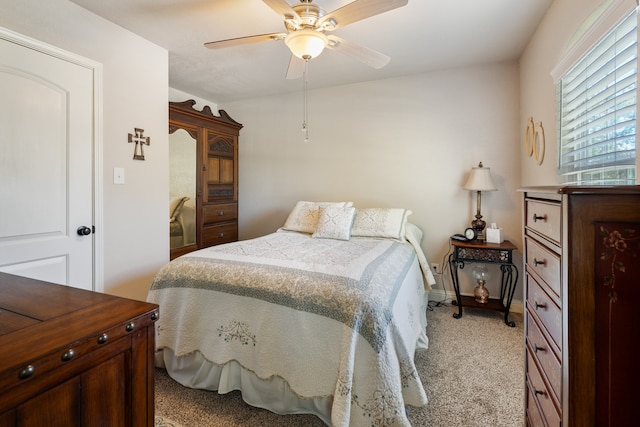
(118, 175)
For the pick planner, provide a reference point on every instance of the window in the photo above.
(597, 112)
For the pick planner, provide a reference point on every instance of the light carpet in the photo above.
(472, 373)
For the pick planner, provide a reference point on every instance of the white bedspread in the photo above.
(335, 320)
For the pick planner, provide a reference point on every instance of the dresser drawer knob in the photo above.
(221, 235)
(536, 349)
(68, 355)
(537, 262)
(538, 305)
(537, 217)
(130, 327)
(103, 338)
(26, 372)
(221, 213)
(154, 315)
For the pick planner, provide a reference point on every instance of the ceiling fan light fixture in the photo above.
(306, 44)
(329, 25)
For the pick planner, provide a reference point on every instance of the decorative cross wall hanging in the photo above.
(140, 141)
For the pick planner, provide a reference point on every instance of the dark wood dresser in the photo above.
(582, 289)
(70, 357)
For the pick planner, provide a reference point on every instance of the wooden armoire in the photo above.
(217, 172)
(582, 283)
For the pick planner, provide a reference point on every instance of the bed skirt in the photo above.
(273, 394)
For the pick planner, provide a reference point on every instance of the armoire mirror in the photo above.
(182, 189)
(203, 172)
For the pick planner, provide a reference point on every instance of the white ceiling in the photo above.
(424, 35)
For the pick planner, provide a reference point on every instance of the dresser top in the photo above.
(580, 189)
(37, 316)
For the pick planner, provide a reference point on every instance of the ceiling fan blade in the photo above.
(296, 68)
(358, 10)
(245, 40)
(285, 10)
(363, 54)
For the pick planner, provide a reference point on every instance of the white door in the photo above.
(46, 165)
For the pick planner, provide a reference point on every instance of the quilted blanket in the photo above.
(329, 317)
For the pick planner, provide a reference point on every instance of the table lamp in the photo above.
(479, 180)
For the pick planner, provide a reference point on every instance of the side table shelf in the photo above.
(477, 251)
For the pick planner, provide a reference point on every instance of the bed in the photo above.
(322, 316)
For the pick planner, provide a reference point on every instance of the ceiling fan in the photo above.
(307, 26)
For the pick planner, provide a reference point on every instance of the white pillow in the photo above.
(380, 222)
(414, 236)
(413, 233)
(335, 223)
(304, 215)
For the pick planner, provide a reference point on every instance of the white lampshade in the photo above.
(306, 44)
(480, 180)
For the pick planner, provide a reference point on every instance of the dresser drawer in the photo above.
(534, 416)
(544, 263)
(538, 393)
(545, 310)
(544, 353)
(544, 218)
(220, 213)
(219, 234)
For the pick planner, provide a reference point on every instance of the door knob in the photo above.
(84, 231)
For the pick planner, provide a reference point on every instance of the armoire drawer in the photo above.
(544, 353)
(544, 218)
(545, 310)
(544, 263)
(219, 234)
(538, 393)
(220, 213)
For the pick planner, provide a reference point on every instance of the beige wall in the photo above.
(135, 81)
(407, 142)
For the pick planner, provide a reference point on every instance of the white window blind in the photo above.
(597, 112)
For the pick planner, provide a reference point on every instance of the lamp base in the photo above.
(478, 224)
(481, 293)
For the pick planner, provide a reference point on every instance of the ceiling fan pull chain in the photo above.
(305, 100)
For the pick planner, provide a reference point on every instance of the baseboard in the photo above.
(438, 295)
